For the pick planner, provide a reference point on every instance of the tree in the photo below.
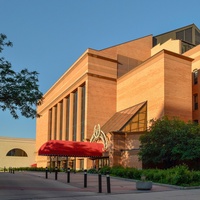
(170, 141)
(19, 90)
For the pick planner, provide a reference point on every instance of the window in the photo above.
(61, 119)
(138, 122)
(82, 164)
(185, 35)
(195, 76)
(55, 122)
(17, 152)
(75, 115)
(197, 37)
(50, 124)
(195, 99)
(67, 117)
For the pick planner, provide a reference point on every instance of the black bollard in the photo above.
(13, 171)
(85, 178)
(4, 169)
(46, 173)
(56, 173)
(100, 183)
(108, 182)
(68, 175)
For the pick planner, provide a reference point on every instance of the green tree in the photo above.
(170, 141)
(19, 90)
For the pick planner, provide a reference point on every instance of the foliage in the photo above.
(92, 171)
(24, 169)
(104, 169)
(170, 141)
(19, 90)
(179, 175)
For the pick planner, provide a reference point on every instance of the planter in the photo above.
(144, 185)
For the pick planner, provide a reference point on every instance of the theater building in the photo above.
(95, 113)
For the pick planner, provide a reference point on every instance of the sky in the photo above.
(50, 35)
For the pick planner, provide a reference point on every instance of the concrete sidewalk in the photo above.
(34, 185)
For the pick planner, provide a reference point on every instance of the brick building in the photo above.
(110, 96)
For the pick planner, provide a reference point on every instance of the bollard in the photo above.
(85, 178)
(100, 183)
(68, 175)
(56, 173)
(4, 169)
(13, 171)
(46, 173)
(108, 182)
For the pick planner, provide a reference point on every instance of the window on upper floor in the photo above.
(185, 35)
(195, 99)
(197, 37)
(138, 122)
(195, 76)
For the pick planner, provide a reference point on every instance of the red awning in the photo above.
(71, 149)
(34, 165)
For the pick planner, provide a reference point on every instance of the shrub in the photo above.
(179, 175)
(92, 171)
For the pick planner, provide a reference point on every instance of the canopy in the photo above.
(71, 149)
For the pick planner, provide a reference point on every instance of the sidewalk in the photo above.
(34, 185)
(117, 185)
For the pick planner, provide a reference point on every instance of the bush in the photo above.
(179, 175)
(92, 171)
(105, 169)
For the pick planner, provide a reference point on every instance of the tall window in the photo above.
(82, 164)
(197, 37)
(83, 113)
(55, 122)
(195, 76)
(67, 117)
(61, 119)
(195, 99)
(75, 115)
(185, 35)
(50, 125)
(138, 122)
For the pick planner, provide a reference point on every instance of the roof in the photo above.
(71, 149)
(119, 119)
(181, 28)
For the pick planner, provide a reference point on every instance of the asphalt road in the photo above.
(34, 185)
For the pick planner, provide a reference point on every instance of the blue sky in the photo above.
(49, 35)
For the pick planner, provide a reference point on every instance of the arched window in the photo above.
(17, 152)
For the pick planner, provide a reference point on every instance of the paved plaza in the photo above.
(34, 185)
